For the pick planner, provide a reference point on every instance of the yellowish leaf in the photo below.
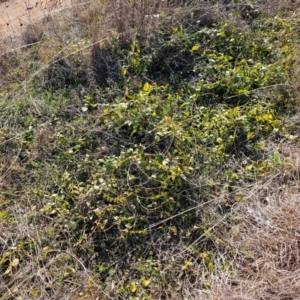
(210, 266)
(3, 214)
(195, 48)
(15, 262)
(250, 135)
(8, 270)
(145, 282)
(184, 267)
(239, 198)
(131, 177)
(133, 287)
(206, 285)
(174, 230)
(147, 87)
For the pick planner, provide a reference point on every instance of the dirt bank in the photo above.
(15, 15)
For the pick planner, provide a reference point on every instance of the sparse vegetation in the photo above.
(149, 151)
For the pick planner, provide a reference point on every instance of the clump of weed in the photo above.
(127, 152)
(32, 34)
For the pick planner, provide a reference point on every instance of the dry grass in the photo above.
(264, 239)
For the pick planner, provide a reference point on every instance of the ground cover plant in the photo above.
(149, 151)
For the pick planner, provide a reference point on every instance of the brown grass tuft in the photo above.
(264, 239)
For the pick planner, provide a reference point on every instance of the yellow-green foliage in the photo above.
(114, 165)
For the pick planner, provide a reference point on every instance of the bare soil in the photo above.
(15, 15)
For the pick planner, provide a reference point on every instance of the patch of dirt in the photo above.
(16, 15)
